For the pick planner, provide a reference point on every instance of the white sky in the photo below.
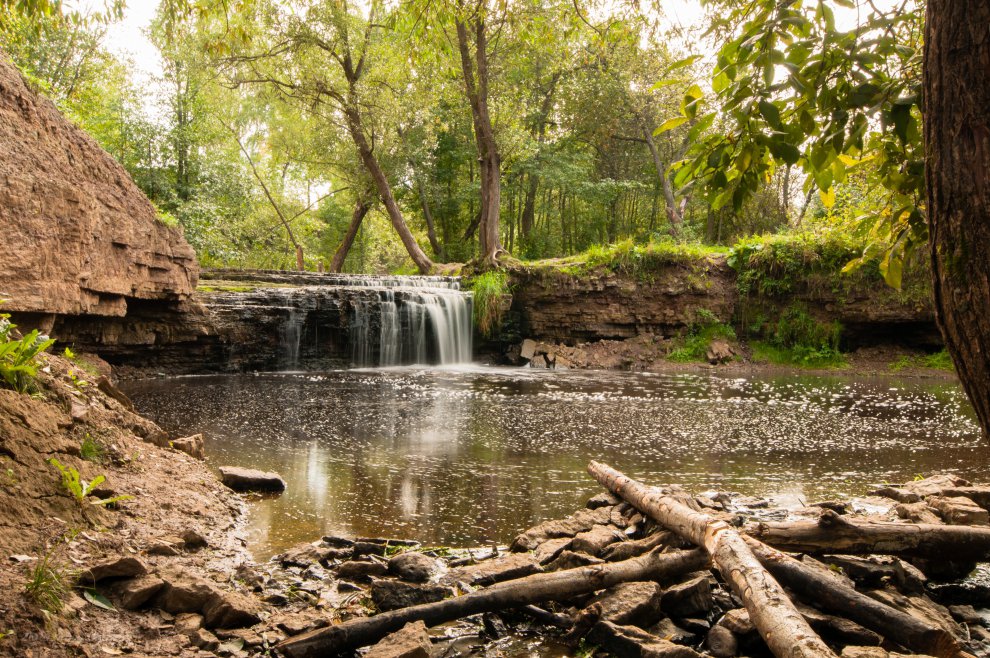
(128, 39)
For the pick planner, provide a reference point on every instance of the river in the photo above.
(471, 456)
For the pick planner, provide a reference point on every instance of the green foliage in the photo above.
(48, 582)
(80, 489)
(19, 356)
(940, 360)
(705, 328)
(92, 450)
(641, 260)
(800, 339)
(491, 290)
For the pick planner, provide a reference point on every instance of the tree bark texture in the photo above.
(957, 154)
(555, 586)
(833, 534)
(831, 594)
(475, 71)
(782, 627)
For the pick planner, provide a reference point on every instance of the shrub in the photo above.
(705, 328)
(490, 291)
(92, 450)
(48, 582)
(19, 356)
(800, 339)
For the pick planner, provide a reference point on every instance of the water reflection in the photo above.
(464, 457)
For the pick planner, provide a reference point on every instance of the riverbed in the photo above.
(470, 456)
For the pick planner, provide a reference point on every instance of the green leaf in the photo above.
(827, 197)
(664, 83)
(670, 124)
(681, 63)
(785, 151)
(689, 104)
(97, 599)
(771, 113)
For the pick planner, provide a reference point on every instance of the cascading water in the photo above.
(411, 320)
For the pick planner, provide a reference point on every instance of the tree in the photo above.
(957, 143)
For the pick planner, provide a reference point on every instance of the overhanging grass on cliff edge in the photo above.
(628, 257)
(490, 292)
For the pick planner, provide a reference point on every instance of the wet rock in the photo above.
(837, 506)
(527, 350)
(360, 571)
(395, 594)
(721, 642)
(689, 598)
(191, 445)
(333, 541)
(580, 521)
(630, 603)
(873, 571)
(632, 642)
(184, 592)
(134, 593)
(412, 641)
(912, 492)
(943, 570)
(120, 567)
(966, 614)
(494, 626)
(413, 566)
(572, 560)
(594, 541)
(699, 626)
(305, 555)
(550, 549)
(959, 510)
(362, 548)
(487, 572)
(246, 479)
(918, 512)
(603, 499)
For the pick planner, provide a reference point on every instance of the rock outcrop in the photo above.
(80, 239)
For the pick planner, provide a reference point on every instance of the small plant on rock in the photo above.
(47, 581)
(81, 489)
(92, 450)
(19, 356)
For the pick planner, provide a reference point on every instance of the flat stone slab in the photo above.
(412, 641)
(247, 479)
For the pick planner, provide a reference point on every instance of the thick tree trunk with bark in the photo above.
(533, 179)
(361, 209)
(555, 586)
(782, 627)
(475, 73)
(957, 152)
(834, 534)
(830, 593)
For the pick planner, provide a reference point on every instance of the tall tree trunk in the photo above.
(957, 143)
(424, 202)
(489, 159)
(361, 209)
(355, 127)
(533, 179)
(673, 215)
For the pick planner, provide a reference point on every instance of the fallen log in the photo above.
(782, 627)
(833, 595)
(835, 534)
(555, 586)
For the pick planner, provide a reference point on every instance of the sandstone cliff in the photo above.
(79, 237)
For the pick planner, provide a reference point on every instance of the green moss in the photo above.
(628, 257)
(936, 361)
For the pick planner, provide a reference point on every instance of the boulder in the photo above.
(119, 567)
(395, 594)
(631, 642)
(135, 592)
(690, 598)
(636, 603)
(191, 445)
(721, 642)
(306, 555)
(413, 566)
(594, 541)
(412, 641)
(359, 571)
(246, 479)
(719, 351)
(184, 592)
(959, 510)
(550, 549)
(527, 350)
(487, 572)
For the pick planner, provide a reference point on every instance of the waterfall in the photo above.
(290, 338)
(411, 320)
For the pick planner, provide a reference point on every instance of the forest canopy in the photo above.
(391, 137)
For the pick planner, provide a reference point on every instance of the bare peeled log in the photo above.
(556, 586)
(782, 627)
(834, 534)
(833, 595)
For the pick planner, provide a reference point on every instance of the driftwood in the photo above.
(782, 627)
(830, 593)
(559, 585)
(835, 534)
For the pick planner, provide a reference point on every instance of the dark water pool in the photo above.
(465, 457)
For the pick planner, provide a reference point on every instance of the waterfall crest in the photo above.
(410, 320)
